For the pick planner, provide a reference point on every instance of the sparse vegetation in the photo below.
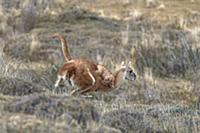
(160, 37)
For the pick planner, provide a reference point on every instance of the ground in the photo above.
(160, 37)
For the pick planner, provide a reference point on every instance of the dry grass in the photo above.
(161, 39)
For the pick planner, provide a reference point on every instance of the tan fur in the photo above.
(65, 48)
(104, 73)
(81, 71)
(88, 75)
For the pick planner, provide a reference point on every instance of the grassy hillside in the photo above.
(160, 37)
